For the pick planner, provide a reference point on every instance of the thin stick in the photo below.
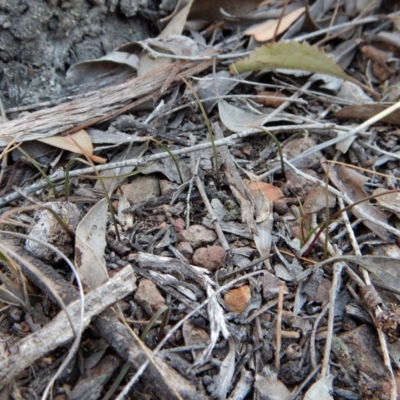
(313, 334)
(278, 328)
(58, 332)
(279, 21)
(337, 270)
(175, 328)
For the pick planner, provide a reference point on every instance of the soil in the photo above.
(40, 40)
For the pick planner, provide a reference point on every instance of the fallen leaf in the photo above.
(177, 23)
(237, 119)
(366, 111)
(389, 201)
(116, 64)
(271, 192)
(321, 389)
(224, 380)
(264, 221)
(112, 184)
(90, 243)
(316, 200)
(78, 142)
(266, 31)
(238, 299)
(272, 101)
(270, 387)
(290, 55)
(372, 53)
(351, 183)
(173, 44)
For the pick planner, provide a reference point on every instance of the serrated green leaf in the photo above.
(290, 55)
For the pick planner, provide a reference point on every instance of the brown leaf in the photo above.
(366, 111)
(78, 142)
(271, 102)
(266, 31)
(351, 183)
(373, 53)
(271, 192)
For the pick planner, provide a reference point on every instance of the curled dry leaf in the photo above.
(271, 192)
(316, 199)
(351, 183)
(237, 119)
(270, 387)
(79, 142)
(367, 111)
(90, 244)
(321, 389)
(266, 31)
(264, 221)
(238, 299)
(272, 101)
(389, 201)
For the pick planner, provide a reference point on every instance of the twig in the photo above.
(176, 327)
(58, 332)
(278, 328)
(337, 270)
(87, 110)
(304, 383)
(339, 138)
(350, 232)
(60, 175)
(313, 334)
(365, 216)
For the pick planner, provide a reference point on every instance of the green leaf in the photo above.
(291, 55)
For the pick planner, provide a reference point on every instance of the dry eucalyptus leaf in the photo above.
(290, 55)
(270, 387)
(389, 201)
(79, 142)
(177, 23)
(367, 111)
(238, 119)
(267, 30)
(90, 244)
(117, 63)
(316, 199)
(171, 44)
(351, 92)
(385, 268)
(321, 389)
(351, 183)
(223, 381)
(264, 221)
(112, 184)
(271, 192)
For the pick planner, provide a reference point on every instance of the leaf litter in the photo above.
(263, 283)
